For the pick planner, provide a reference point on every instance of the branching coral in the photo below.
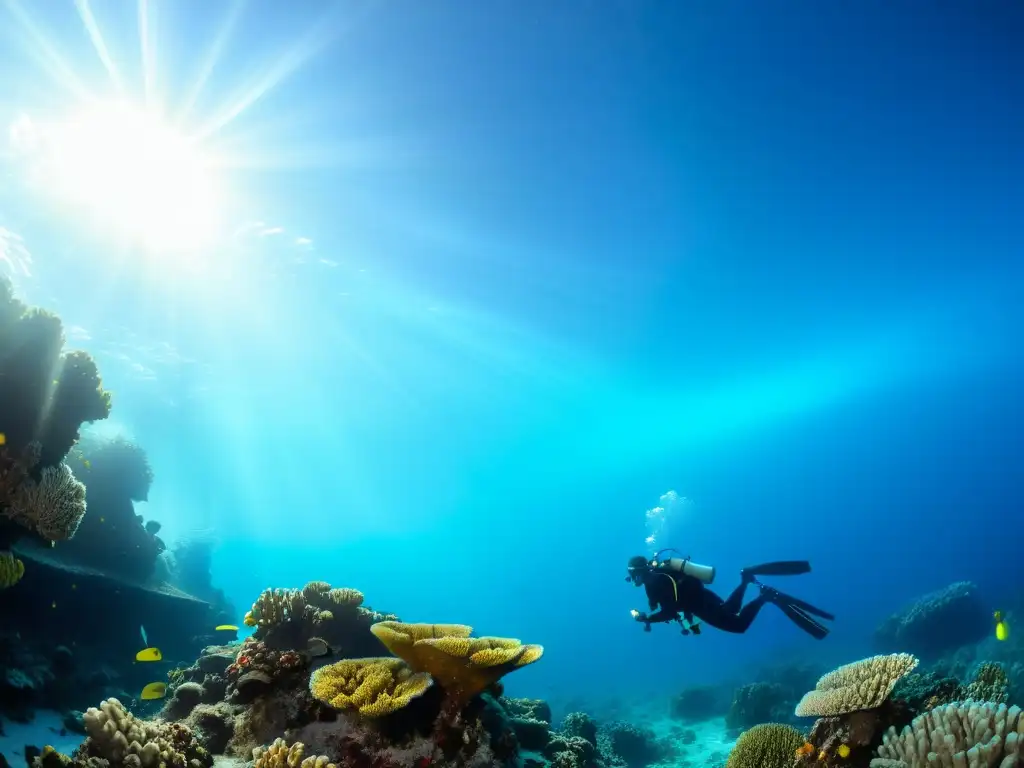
(280, 755)
(769, 745)
(373, 687)
(863, 684)
(965, 734)
(989, 684)
(288, 618)
(119, 737)
(257, 667)
(52, 507)
(464, 666)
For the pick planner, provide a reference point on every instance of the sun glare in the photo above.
(133, 174)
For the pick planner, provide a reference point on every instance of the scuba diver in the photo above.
(679, 586)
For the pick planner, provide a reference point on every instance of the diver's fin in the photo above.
(806, 623)
(806, 608)
(799, 612)
(780, 568)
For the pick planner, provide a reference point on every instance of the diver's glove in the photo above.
(641, 617)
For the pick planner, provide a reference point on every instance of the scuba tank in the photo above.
(705, 574)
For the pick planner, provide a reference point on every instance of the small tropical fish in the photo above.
(317, 646)
(154, 691)
(87, 464)
(3, 439)
(1002, 628)
(843, 750)
(142, 634)
(805, 750)
(149, 654)
(225, 628)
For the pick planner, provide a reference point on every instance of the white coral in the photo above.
(966, 734)
(120, 737)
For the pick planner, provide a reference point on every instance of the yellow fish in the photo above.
(1002, 628)
(149, 654)
(843, 751)
(88, 464)
(225, 628)
(3, 439)
(154, 691)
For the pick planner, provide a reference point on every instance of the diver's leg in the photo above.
(737, 623)
(747, 615)
(735, 600)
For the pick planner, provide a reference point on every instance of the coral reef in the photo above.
(291, 696)
(112, 537)
(924, 691)
(464, 666)
(989, 684)
(696, 703)
(373, 687)
(189, 565)
(637, 746)
(52, 506)
(289, 618)
(769, 745)
(70, 631)
(863, 684)
(46, 395)
(117, 736)
(280, 755)
(285, 703)
(937, 622)
(757, 703)
(963, 734)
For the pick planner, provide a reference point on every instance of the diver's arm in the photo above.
(665, 614)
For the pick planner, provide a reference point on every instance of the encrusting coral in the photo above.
(769, 745)
(969, 734)
(373, 687)
(463, 666)
(859, 685)
(280, 755)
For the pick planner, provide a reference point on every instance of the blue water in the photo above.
(489, 279)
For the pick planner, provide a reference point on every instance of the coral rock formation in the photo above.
(464, 666)
(970, 733)
(863, 684)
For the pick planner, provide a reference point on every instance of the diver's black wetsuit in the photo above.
(677, 594)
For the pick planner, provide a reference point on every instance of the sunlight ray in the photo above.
(46, 54)
(96, 37)
(212, 57)
(148, 54)
(315, 40)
